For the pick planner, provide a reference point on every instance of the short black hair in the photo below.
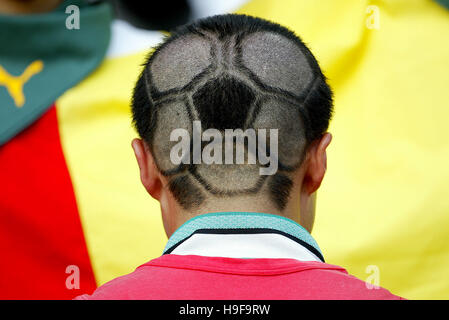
(231, 71)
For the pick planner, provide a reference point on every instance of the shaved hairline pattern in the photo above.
(234, 72)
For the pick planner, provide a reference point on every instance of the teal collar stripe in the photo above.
(40, 58)
(243, 220)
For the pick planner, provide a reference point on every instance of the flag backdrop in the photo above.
(72, 211)
(71, 194)
(384, 203)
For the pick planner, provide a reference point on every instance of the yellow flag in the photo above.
(383, 208)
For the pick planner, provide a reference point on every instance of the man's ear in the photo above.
(316, 163)
(149, 174)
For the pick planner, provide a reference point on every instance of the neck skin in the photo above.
(13, 7)
(299, 208)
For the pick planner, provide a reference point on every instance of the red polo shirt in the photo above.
(239, 256)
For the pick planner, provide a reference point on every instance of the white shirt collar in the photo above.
(244, 235)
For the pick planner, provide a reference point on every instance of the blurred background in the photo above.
(73, 214)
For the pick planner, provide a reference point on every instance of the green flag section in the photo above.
(43, 55)
(444, 3)
(383, 208)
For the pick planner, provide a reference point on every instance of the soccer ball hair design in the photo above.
(231, 72)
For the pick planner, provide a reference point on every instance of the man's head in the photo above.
(232, 83)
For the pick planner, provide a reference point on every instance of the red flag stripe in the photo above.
(40, 229)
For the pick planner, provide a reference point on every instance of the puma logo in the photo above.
(14, 85)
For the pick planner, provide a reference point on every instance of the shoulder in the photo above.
(181, 277)
(130, 286)
(145, 282)
(338, 284)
